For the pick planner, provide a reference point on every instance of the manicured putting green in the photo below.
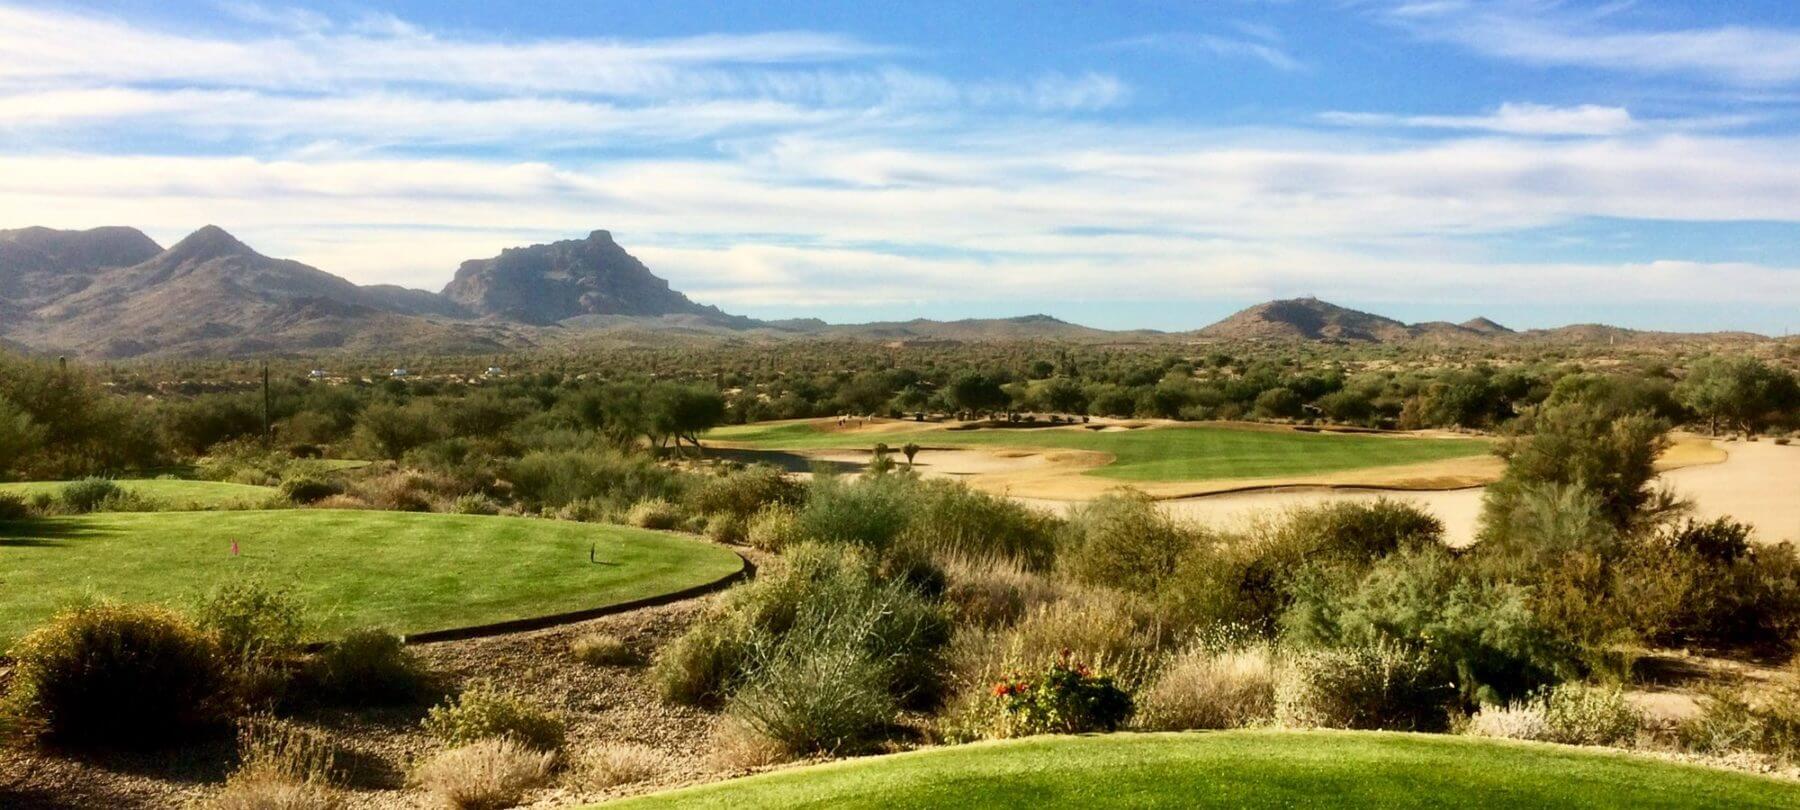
(1242, 769)
(1201, 452)
(168, 493)
(405, 571)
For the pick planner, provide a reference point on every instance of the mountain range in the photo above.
(114, 293)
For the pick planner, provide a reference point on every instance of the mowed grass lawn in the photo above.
(1241, 769)
(170, 493)
(408, 572)
(1200, 452)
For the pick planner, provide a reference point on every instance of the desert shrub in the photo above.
(1208, 686)
(613, 764)
(484, 711)
(343, 502)
(14, 507)
(556, 477)
(1732, 720)
(869, 512)
(654, 513)
(774, 528)
(1579, 714)
(994, 592)
(113, 674)
(1352, 534)
(736, 747)
(281, 766)
(1518, 720)
(603, 649)
(368, 667)
(726, 527)
(485, 775)
(948, 518)
(1482, 633)
(819, 688)
(88, 494)
(814, 585)
(257, 628)
(474, 504)
(743, 493)
(1068, 697)
(1123, 541)
(307, 489)
(395, 491)
(1366, 687)
(1715, 588)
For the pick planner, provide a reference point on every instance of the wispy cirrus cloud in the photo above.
(1254, 43)
(1550, 34)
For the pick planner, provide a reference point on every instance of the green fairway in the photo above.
(1242, 769)
(409, 572)
(1200, 452)
(168, 493)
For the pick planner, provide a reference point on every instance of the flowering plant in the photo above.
(1066, 698)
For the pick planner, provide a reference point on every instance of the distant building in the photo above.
(494, 371)
(399, 374)
(318, 374)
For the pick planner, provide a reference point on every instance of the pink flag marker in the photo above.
(234, 548)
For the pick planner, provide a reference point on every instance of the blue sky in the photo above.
(1121, 164)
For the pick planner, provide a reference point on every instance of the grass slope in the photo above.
(1176, 453)
(1242, 769)
(406, 571)
(171, 493)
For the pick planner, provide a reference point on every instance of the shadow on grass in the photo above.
(49, 532)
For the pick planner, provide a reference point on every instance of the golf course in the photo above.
(1173, 453)
(408, 572)
(1241, 769)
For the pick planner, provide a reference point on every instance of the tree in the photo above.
(910, 449)
(390, 430)
(20, 437)
(977, 393)
(1587, 447)
(682, 412)
(1736, 390)
(1061, 395)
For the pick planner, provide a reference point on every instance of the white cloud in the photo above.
(1538, 33)
(1261, 46)
(1511, 118)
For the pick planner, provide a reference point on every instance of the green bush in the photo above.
(870, 512)
(305, 489)
(257, 629)
(474, 504)
(654, 513)
(551, 478)
(1482, 632)
(819, 585)
(14, 507)
(1066, 698)
(368, 667)
(1367, 687)
(820, 688)
(1124, 541)
(1578, 714)
(774, 529)
(743, 493)
(1732, 721)
(88, 494)
(727, 527)
(947, 518)
(484, 712)
(117, 675)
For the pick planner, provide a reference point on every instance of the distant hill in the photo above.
(40, 265)
(548, 284)
(1308, 319)
(210, 294)
(113, 292)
